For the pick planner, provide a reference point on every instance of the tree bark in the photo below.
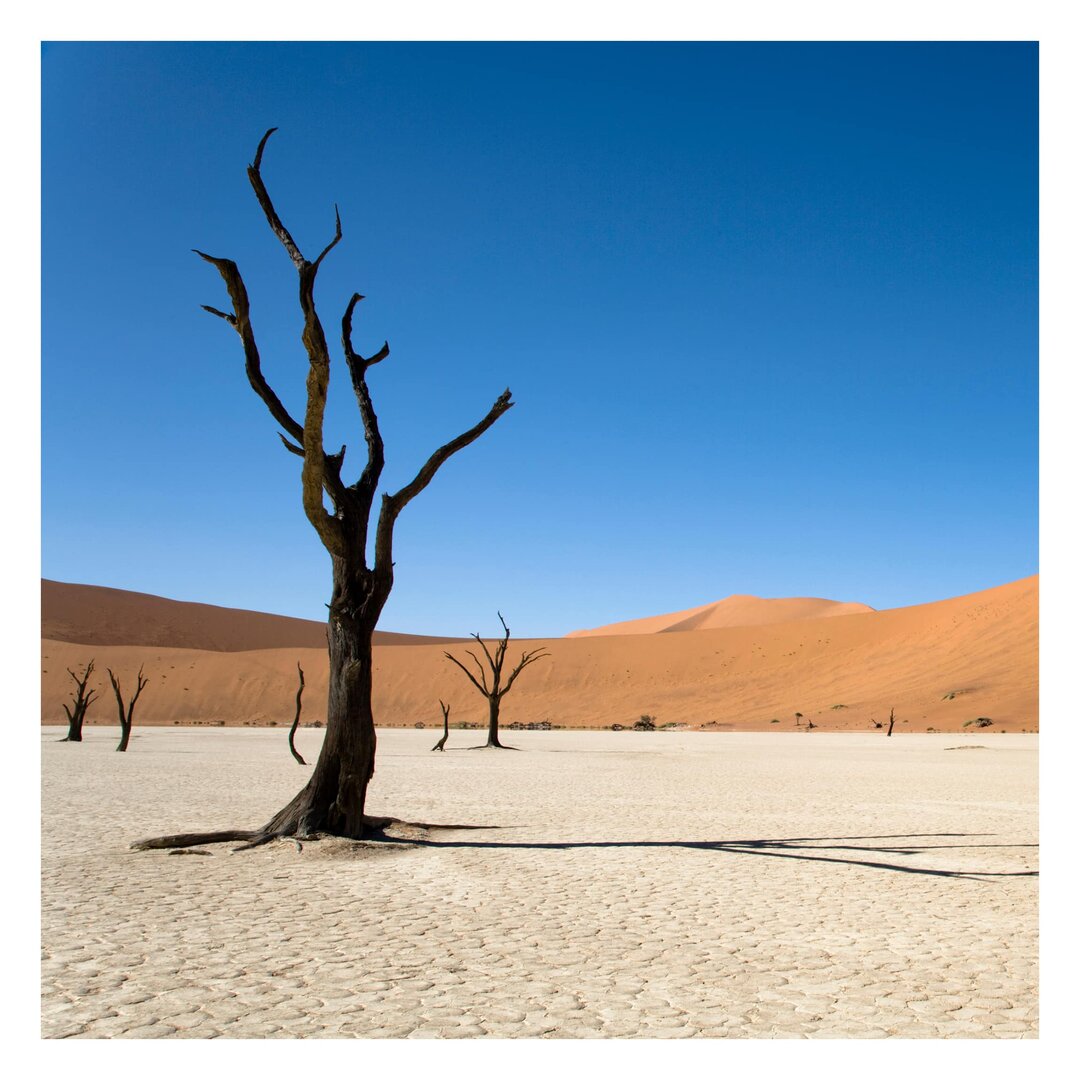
(493, 722)
(333, 799)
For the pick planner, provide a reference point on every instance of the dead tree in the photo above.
(126, 718)
(296, 718)
(332, 801)
(81, 700)
(810, 725)
(441, 744)
(496, 691)
(892, 720)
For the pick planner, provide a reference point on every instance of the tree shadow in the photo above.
(799, 847)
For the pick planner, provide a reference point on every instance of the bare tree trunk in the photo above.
(441, 744)
(333, 799)
(493, 722)
(892, 720)
(296, 719)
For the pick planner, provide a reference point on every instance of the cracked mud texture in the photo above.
(634, 885)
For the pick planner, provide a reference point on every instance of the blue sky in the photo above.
(769, 313)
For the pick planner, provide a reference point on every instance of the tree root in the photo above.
(184, 840)
(253, 838)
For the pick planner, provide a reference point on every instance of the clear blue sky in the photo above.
(769, 313)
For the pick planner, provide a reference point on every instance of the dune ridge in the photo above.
(737, 610)
(939, 665)
(96, 615)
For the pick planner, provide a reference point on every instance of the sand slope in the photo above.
(734, 611)
(94, 615)
(982, 649)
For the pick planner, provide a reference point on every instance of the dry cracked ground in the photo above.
(626, 885)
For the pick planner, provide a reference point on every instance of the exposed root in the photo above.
(185, 840)
(253, 838)
(258, 841)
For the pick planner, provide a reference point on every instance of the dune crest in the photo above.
(737, 610)
(95, 615)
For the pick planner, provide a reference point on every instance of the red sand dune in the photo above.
(939, 665)
(734, 611)
(94, 615)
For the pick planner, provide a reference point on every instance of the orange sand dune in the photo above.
(734, 611)
(93, 615)
(939, 665)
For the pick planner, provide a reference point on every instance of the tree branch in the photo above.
(480, 668)
(358, 366)
(333, 243)
(241, 322)
(483, 646)
(526, 659)
(317, 474)
(255, 176)
(468, 674)
(392, 505)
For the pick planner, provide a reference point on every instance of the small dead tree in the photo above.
(892, 720)
(126, 718)
(497, 690)
(81, 700)
(441, 744)
(798, 717)
(810, 725)
(296, 718)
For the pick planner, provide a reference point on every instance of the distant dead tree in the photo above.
(497, 690)
(798, 717)
(126, 718)
(877, 723)
(810, 725)
(81, 700)
(892, 720)
(296, 718)
(441, 744)
(332, 801)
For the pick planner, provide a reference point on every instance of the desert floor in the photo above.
(779, 885)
